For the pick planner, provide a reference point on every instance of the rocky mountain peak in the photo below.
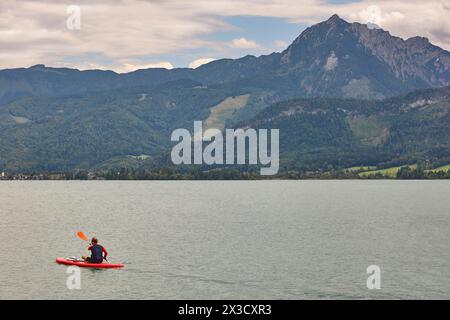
(37, 67)
(418, 41)
(415, 61)
(335, 19)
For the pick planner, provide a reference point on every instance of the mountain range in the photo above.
(342, 94)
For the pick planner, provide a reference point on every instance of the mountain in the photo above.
(338, 133)
(132, 127)
(336, 58)
(51, 134)
(338, 94)
(332, 58)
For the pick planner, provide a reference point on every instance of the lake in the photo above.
(228, 239)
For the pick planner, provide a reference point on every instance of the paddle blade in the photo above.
(82, 236)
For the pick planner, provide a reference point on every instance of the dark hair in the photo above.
(94, 240)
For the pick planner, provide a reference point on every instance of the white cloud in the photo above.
(243, 43)
(407, 19)
(34, 31)
(199, 62)
(372, 14)
(280, 44)
(128, 67)
(121, 66)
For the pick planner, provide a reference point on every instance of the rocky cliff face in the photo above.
(414, 58)
(356, 59)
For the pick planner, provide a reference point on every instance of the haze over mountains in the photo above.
(64, 119)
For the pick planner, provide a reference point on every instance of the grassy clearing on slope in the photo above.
(369, 130)
(224, 110)
(360, 169)
(388, 172)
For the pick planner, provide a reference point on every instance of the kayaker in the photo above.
(97, 252)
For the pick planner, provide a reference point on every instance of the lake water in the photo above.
(228, 240)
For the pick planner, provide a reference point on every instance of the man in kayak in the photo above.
(97, 252)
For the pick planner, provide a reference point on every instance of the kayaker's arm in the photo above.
(105, 252)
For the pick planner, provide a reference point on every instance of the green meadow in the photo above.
(443, 168)
(366, 171)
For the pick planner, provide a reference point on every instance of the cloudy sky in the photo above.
(125, 35)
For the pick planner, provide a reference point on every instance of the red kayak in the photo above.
(84, 264)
